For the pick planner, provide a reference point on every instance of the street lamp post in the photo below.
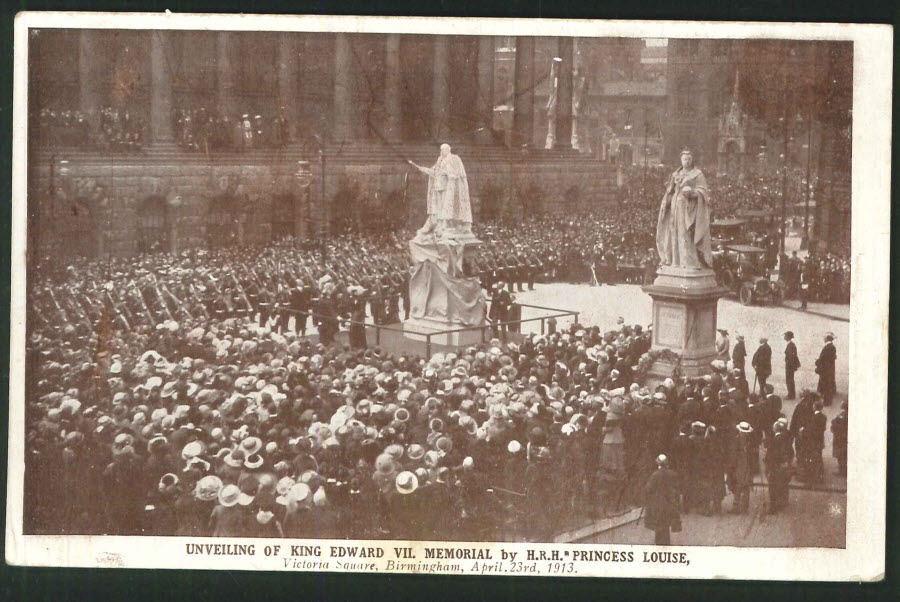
(784, 167)
(303, 175)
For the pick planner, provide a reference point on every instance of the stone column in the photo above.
(484, 99)
(440, 91)
(160, 88)
(523, 101)
(288, 77)
(343, 81)
(89, 86)
(564, 98)
(224, 77)
(393, 100)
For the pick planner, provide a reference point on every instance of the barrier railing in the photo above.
(501, 329)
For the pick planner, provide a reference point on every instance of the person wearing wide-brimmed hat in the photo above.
(195, 507)
(744, 454)
(662, 505)
(229, 517)
(779, 457)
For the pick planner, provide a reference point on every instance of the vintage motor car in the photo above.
(741, 269)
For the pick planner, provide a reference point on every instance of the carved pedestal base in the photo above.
(684, 319)
(441, 296)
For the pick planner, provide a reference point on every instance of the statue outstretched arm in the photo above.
(428, 171)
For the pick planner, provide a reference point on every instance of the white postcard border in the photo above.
(862, 560)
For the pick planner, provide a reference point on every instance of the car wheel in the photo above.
(746, 295)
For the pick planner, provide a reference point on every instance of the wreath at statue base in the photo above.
(656, 366)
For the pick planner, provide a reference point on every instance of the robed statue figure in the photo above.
(682, 233)
(448, 206)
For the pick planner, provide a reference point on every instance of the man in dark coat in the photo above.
(791, 364)
(762, 363)
(662, 510)
(802, 416)
(839, 440)
(744, 458)
(739, 354)
(499, 310)
(825, 370)
(779, 457)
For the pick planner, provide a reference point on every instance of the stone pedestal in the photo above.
(684, 319)
(441, 296)
(417, 328)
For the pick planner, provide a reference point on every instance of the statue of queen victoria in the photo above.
(682, 232)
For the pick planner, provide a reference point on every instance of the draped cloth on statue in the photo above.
(434, 294)
(682, 232)
(448, 191)
(448, 255)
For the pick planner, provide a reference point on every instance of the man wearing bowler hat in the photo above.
(791, 364)
(825, 369)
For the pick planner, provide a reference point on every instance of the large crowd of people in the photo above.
(201, 129)
(111, 129)
(181, 395)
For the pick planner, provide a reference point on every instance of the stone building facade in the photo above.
(358, 106)
(707, 95)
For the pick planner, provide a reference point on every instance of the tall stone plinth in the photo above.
(684, 319)
(441, 296)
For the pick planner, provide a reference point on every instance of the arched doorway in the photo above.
(153, 225)
(223, 222)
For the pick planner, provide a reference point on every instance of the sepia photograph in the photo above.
(330, 290)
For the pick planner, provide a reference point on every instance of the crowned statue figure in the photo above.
(447, 205)
(682, 232)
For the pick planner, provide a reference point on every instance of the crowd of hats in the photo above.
(178, 420)
(225, 427)
(109, 129)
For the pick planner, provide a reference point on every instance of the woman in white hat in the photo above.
(229, 518)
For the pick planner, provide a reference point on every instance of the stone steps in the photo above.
(375, 154)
